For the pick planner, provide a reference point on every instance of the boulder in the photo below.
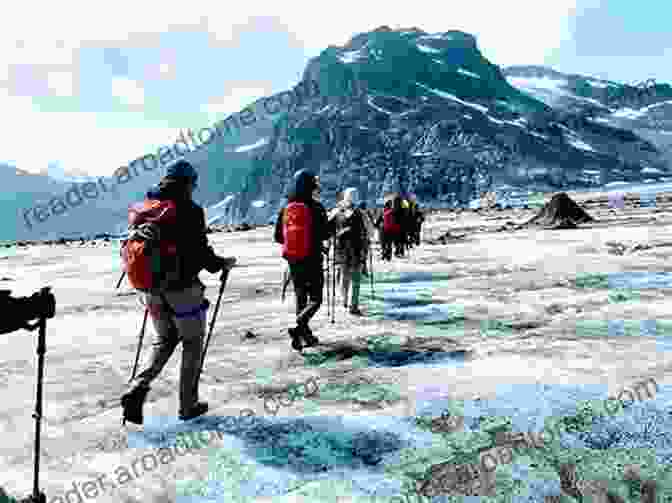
(561, 212)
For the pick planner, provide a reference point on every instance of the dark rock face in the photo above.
(408, 111)
(561, 212)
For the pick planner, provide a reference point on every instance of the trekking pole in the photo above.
(141, 336)
(286, 278)
(333, 282)
(223, 278)
(137, 354)
(325, 284)
(373, 292)
(121, 278)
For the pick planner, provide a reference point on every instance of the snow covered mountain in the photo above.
(644, 108)
(427, 113)
(404, 110)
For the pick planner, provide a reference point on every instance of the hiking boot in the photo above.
(295, 334)
(354, 310)
(309, 339)
(132, 403)
(198, 409)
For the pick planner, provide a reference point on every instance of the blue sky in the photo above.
(91, 87)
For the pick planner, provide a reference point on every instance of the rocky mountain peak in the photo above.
(405, 110)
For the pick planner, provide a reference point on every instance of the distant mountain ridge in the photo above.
(405, 110)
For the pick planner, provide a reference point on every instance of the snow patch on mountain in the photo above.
(452, 97)
(350, 56)
(601, 84)
(580, 144)
(548, 90)
(468, 73)
(257, 144)
(656, 105)
(574, 140)
(537, 83)
(220, 211)
(425, 48)
(627, 113)
(376, 107)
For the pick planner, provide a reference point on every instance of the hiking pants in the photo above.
(386, 245)
(417, 232)
(350, 275)
(399, 244)
(308, 280)
(182, 320)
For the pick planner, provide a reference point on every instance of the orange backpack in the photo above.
(148, 260)
(297, 232)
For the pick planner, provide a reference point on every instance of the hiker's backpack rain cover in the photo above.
(150, 261)
(297, 232)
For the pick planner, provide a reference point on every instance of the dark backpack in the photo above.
(353, 235)
(149, 261)
(297, 230)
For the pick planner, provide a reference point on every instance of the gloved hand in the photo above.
(226, 262)
(333, 212)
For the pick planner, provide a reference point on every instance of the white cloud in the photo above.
(233, 102)
(75, 139)
(502, 27)
(61, 83)
(128, 91)
(78, 142)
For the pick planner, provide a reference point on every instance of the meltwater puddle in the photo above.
(317, 457)
(639, 280)
(272, 457)
(408, 297)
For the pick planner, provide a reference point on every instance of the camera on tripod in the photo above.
(20, 310)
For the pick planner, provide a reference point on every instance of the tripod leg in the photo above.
(41, 350)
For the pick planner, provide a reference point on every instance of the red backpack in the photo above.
(390, 225)
(297, 232)
(148, 260)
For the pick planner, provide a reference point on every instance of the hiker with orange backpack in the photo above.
(166, 249)
(301, 228)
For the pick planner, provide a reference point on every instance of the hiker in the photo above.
(370, 233)
(399, 234)
(301, 227)
(389, 230)
(406, 226)
(352, 242)
(178, 306)
(416, 221)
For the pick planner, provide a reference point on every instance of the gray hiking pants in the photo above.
(182, 320)
(350, 275)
